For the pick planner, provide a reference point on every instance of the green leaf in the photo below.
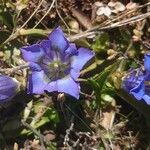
(107, 98)
(82, 43)
(41, 115)
(102, 78)
(96, 89)
(101, 43)
(5, 17)
(98, 85)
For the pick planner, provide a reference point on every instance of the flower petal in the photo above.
(71, 50)
(69, 86)
(46, 45)
(84, 55)
(35, 66)
(133, 82)
(75, 73)
(37, 82)
(65, 85)
(147, 99)
(52, 86)
(78, 61)
(147, 62)
(58, 40)
(8, 88)
(132, 79)
(138, 91)
(32, 53)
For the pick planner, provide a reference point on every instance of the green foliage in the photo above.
(5, 17)
(100, 88)
(41, 115)
(101, 43)
(103, 78)
(82, 43)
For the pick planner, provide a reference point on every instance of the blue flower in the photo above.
(55, 64)
(8, 88)
(137, 81)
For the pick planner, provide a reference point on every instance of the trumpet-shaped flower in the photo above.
(55, 64)
(8, 88)
(137, 81)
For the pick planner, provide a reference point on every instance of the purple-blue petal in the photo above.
(65, 85)
(132, 79)
(8, 88)
(74, 73)
(37, 82)
(52, 86)
(134, 83)
(84, 55)
(69, 86)
(71, 50)
(146, 99)
(58, 40)
(147, 62)
(35, 66)
(33, 53)
(138, 91)
(46, 45)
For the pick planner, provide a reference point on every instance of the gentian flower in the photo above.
(55, 64)
(8, 88)
(137, 81)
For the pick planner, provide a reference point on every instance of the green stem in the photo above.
(39, 32)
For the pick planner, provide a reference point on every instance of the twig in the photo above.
(82, 35)
(76, 143)
(96, 30)
(128, 21)
(66, 138)
(61, 17)
(92, 31)
(87, 95)
(13, 70)
(78, 117)
(82, 18)
(123, 15)
(41, 137)
(14, 35)
(45, 13)
(32, 14)
(106, 25)
(128, 48)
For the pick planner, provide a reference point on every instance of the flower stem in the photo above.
(39, 32)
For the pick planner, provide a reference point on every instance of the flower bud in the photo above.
(8, 88)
